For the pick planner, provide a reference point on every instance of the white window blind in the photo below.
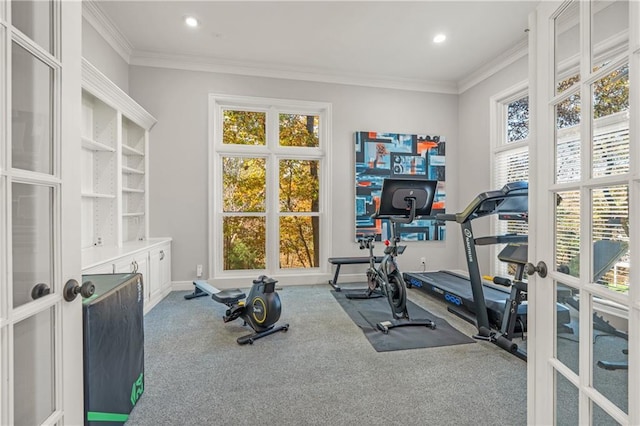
(511, 164)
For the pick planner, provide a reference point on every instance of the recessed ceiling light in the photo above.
(191, 21)
(439, 38)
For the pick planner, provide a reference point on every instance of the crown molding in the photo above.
(99, 20)
(96, 83)
(517, 51)
(92, 12)
(209, 64)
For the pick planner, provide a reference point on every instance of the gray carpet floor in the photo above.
(322, 371)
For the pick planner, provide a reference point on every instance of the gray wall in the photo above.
(178, 153)
(178, 149)
(474, 159)
(101, 55)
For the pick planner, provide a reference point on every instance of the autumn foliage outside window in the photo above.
(252, 204)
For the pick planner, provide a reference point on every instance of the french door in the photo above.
(585, 211)
(40, 332)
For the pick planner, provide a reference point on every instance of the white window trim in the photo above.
(497, 132)
(271, 152)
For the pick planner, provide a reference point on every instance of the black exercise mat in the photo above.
(367, 312)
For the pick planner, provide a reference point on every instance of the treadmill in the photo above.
(471, 298)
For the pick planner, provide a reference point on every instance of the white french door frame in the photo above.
(542, 365)
(64, 184)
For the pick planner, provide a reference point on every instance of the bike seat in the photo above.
(228, 296)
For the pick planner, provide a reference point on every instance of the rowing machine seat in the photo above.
(228, 296)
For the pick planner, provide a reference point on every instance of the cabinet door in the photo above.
(155, 273)
(105, 268)
(137, 263)
(159, 273)
(165, 269)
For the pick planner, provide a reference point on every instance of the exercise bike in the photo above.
(401, 201)
(261, 310)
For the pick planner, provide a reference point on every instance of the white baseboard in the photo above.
(290, 280)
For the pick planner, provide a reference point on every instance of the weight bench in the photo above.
(339, 261)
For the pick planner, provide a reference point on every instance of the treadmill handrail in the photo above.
(446, 217)
(501, 239)
(492, 202)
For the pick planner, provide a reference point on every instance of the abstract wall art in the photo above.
(395, 155)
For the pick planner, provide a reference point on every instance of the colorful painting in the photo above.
(383, 155)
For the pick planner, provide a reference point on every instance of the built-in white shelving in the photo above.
(115, 188)
(115, 139)
(92, 145)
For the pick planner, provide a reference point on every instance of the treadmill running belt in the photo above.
(455, 289)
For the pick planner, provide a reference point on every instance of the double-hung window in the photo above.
(268, 177)
(510, 111)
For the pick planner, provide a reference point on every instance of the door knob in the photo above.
(72, 288)
(39, 290)
(540, 268)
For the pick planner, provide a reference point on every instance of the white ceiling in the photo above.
(385, 42)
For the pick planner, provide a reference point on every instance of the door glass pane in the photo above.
(299, 185)
(33, 18)
(33, 356)
(31, 112)
(611, 123)
(566, 401)
(610, 237)
(600, 417)
(244, 243)
(567, 235)
(32, 230)
(244, 183)
(567, 47)
(568, 139)
(568, 326)
(609, 25)
(610, 350)
(299, 130)
(299, 239)
(244, 128)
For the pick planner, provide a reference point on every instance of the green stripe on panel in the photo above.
(94, 416)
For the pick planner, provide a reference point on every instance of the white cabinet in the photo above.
(105, 268)
(151, 258)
